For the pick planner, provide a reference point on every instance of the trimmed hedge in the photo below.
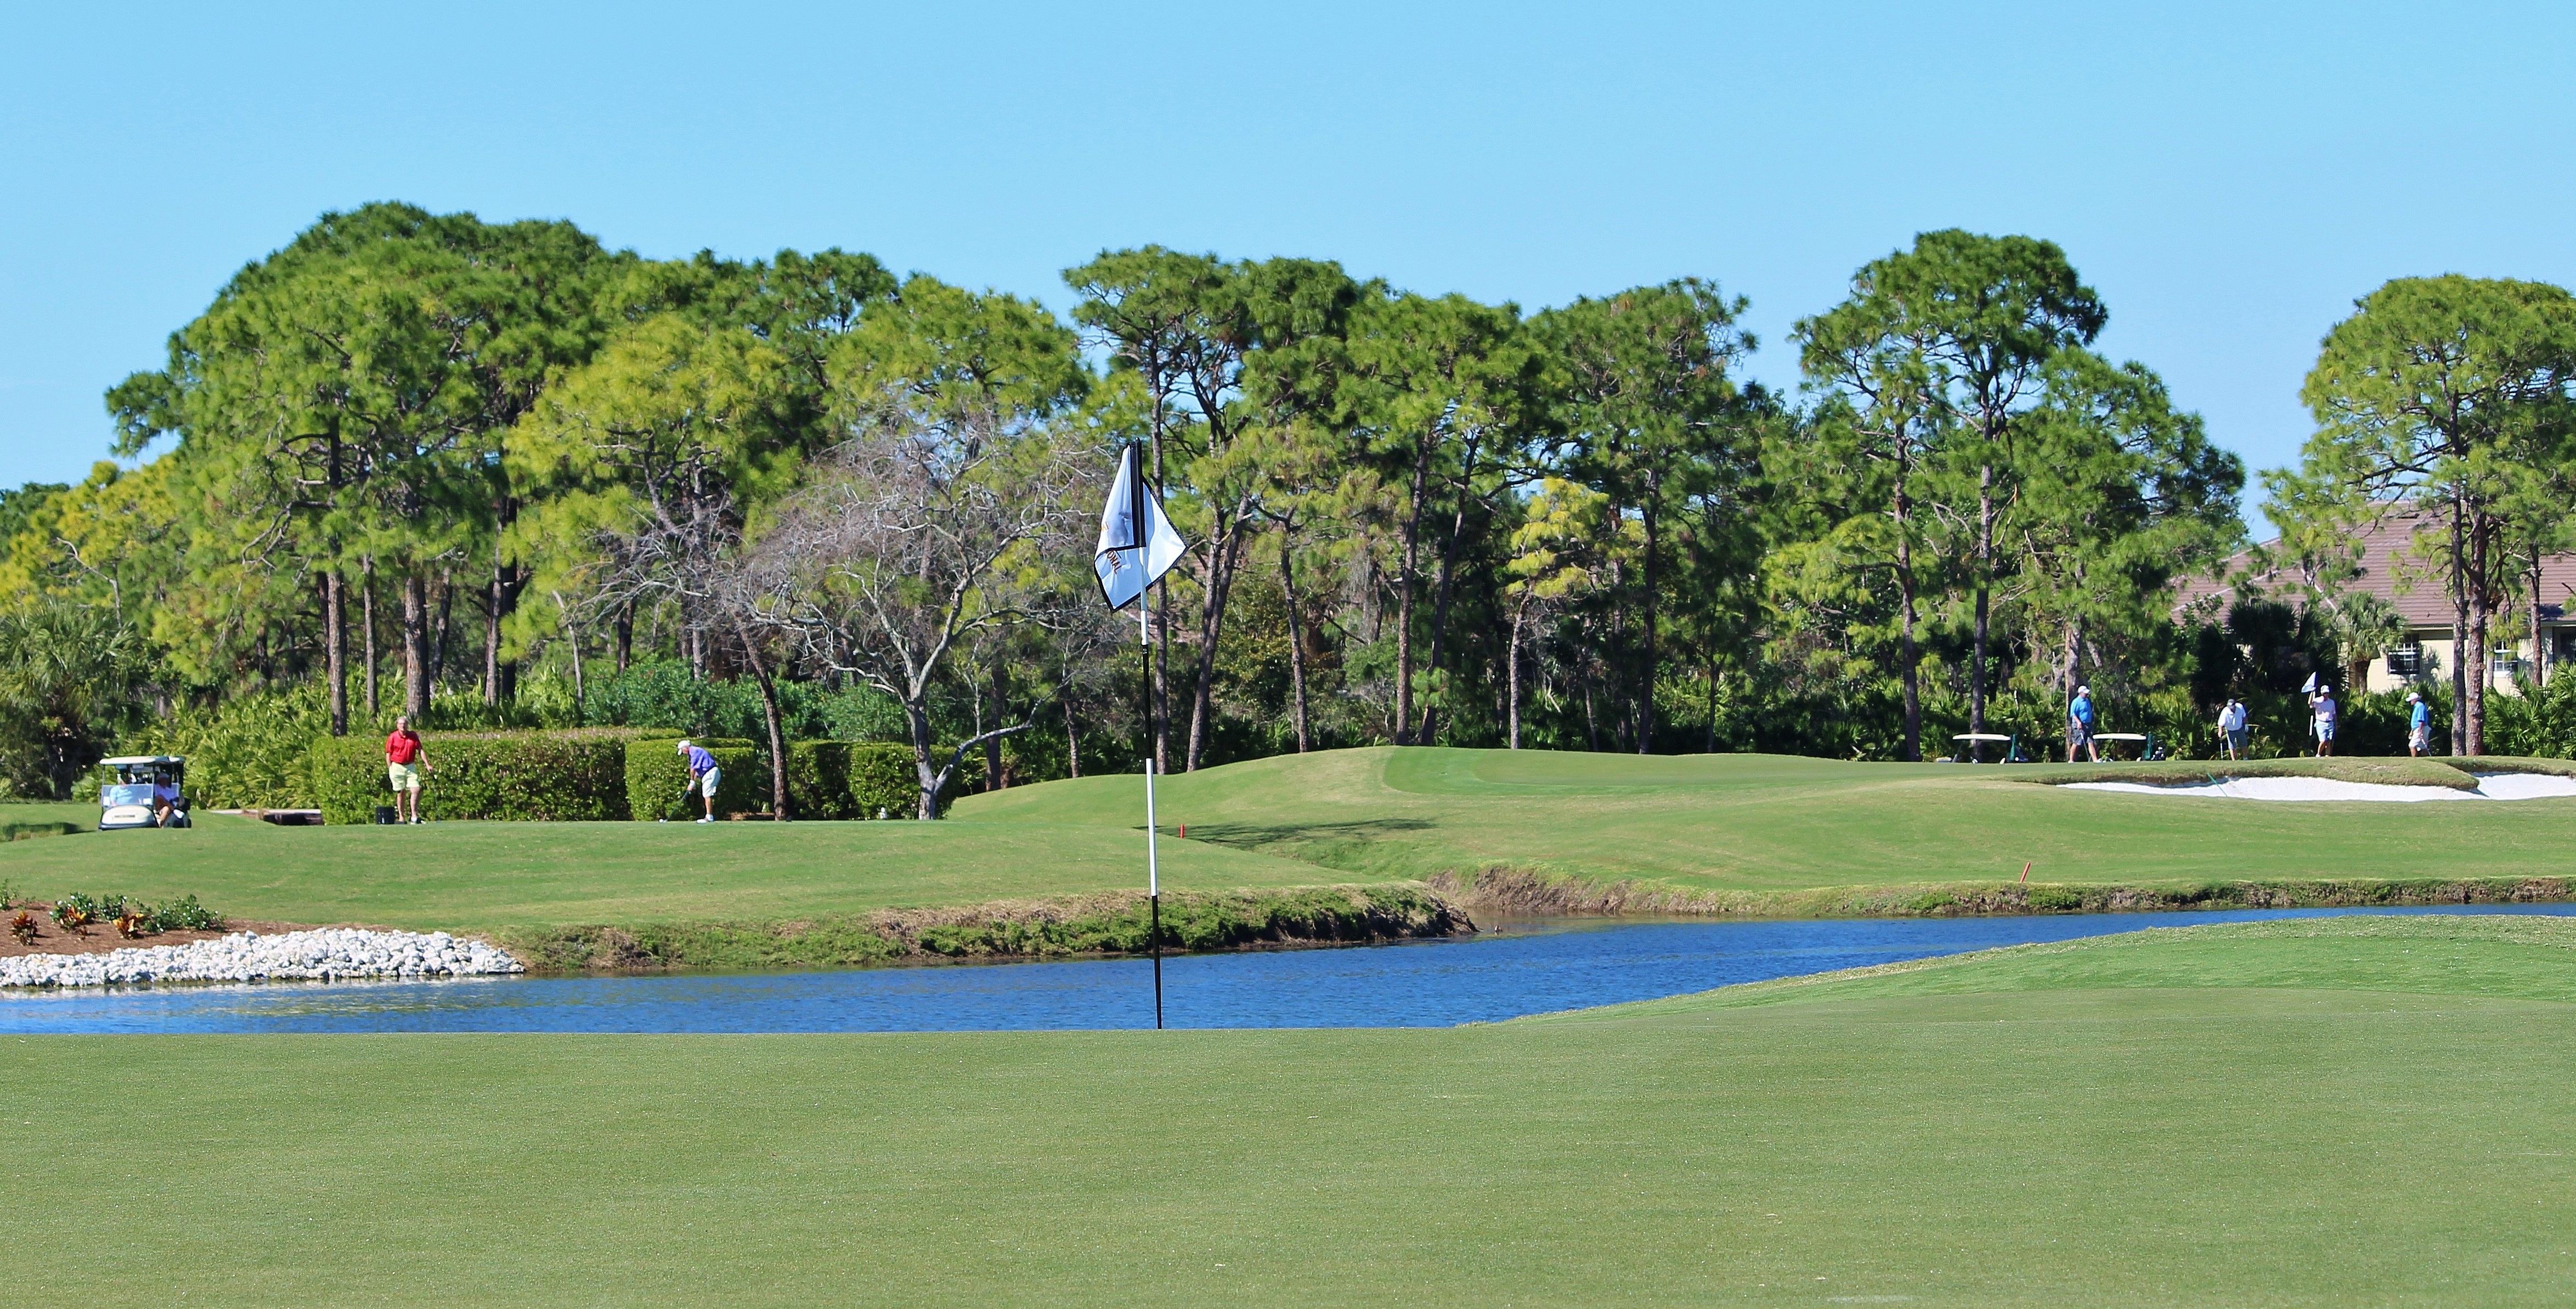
(614, 774)
(655, 774)
(826, 780)
(882, 778)
(570, 776)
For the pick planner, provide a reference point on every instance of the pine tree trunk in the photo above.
(2460, 681)
(492, 640)
(367, 620)
(416, 661)
(1072, 741)
(1910, 652)
(1225, 558)
(439, 631)
(1711, 746)
(1442, 587)
(1985, 576)
(1646, 620)
(1512, 674)
(1296, 638)
(993, 747)
(2539, 664)
(2481, 612)
(335, 649)
(1404, 600)
(768, 720)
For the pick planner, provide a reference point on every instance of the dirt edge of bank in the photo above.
(1516, 892)
(1059, 927)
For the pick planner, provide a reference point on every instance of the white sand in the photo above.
(2491, 786)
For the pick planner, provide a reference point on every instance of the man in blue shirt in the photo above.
(2419, 725)
(2079, 726)
(703, 776)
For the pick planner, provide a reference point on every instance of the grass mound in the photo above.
(1767, 826)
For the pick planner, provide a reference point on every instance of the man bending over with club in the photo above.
(703, 776)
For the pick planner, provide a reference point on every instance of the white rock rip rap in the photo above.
(323, 954)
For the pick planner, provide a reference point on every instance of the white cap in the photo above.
(2413, 696)
(684, 743)
(2084, 690)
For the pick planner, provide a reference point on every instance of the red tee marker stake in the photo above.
(1185, 831)
(2025, 871)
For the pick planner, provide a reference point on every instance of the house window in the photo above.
(2406, 660)
(2504, 663)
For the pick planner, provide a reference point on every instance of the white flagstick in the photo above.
(1133, 522)
(1153, 874)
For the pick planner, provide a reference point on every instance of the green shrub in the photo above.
(572, 776)
(181, 915)
(655, 776)
(882, 777)
(245, 752)
(2055, 899)
(818, 781)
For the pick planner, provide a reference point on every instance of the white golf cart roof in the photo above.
(123, 760)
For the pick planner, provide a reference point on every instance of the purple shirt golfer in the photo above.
(703, 776)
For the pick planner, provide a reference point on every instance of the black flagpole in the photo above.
(1145, 665)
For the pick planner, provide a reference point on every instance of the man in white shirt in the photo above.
(2322, 705)
(2232, 729)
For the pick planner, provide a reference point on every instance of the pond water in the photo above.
(1523, 968)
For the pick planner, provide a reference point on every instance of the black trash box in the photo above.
(384, 815)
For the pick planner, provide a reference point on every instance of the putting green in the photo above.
(1780, 823)
(2100, 1139)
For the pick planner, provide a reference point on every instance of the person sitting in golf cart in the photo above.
(143, 791)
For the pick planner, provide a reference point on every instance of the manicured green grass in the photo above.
(28, 818)
(1775, 823)
(2081, 1138)
(2527, 957)
(485, 876)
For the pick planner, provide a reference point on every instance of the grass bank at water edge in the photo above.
(1108, 923)
(1524, 893)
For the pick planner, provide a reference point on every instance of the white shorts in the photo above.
(707, 784)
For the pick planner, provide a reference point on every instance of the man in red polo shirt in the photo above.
(405, 760)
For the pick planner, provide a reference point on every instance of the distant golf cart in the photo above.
(136, 789)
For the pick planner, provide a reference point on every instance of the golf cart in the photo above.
(135, 785)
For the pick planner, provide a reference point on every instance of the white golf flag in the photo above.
(2309, 686)
(1132, 525)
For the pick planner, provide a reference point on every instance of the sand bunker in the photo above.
(2491, 786)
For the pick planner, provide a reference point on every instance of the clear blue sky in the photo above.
(2229, 176)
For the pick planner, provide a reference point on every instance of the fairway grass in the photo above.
(474, 877)
(2519, 956)
(2175, 1129)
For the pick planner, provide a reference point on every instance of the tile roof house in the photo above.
(2410, 577)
